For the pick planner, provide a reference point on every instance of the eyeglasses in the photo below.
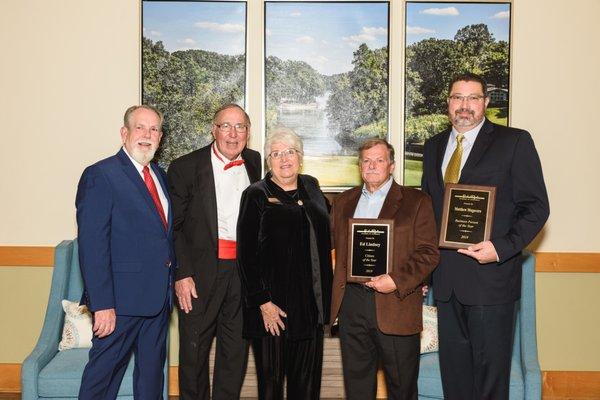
(283, 153)
(226, 127)
(473, 98)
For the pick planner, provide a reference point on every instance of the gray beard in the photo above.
(143, 158)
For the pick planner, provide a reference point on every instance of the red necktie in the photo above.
(154, 194)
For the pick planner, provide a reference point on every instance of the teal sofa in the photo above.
(46, 372)
(525, 375)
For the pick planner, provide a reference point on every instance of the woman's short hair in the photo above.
(281, 134)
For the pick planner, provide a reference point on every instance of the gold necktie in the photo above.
(453, 169)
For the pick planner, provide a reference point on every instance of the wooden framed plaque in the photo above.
(370, 248)
(467, 215)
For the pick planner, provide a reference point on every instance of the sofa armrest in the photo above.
(47, 344)
(41, 355)
(532, 375)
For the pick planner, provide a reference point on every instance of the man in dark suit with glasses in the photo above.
(477, 288)
(206, 187)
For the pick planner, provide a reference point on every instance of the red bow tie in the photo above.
(233, 164)
(228, 165)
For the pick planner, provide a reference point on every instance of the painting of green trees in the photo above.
(193, 62)
(326, 77)
(442, 40)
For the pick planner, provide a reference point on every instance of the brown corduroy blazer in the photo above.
(415, 256)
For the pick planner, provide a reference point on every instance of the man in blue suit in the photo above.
(126, 258)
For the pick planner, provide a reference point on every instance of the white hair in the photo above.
(281, 134)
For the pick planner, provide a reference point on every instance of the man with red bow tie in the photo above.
(206, 186)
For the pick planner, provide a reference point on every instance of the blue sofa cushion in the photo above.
(517, 385)
(62, 376)
(430, 380)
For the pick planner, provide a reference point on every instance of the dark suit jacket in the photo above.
(193, 196)
(415, 256)
(505, 158)
(125, 253)
(275, 258)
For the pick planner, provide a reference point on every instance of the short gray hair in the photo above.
(282, 134)
(132, 109)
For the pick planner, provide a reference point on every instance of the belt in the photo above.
(227, 249)
(361, 287)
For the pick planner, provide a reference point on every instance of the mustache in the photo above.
(464, 110)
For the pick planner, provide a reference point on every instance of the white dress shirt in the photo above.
(229, 185)
(467, 145)
(164, 202)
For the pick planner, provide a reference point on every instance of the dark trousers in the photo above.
(300, 362)
(475, 349)
(223, 319)
(364, 347)
(109, 356)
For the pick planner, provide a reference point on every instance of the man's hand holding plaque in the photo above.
(382, 284)
(467, 218)
(483, 252)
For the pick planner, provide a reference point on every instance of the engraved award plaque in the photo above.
(467, 215)
(369, 248)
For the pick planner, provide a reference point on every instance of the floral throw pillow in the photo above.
(429, 335)
(77, 330)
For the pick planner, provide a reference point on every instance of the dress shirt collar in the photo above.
(219, 156)
(470, 135)
(139, 167)
(382, 192)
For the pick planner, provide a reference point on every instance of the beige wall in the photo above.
(23, 297)
(555, 78)
(69, 68)
(568, 321)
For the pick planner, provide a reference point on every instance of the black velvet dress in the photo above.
(284, 256)
(276, 259)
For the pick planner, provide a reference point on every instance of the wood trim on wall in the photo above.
(37, 256)
(562, 385)
(10, 378)
(567, 262)
(26, 256)
(173, 381)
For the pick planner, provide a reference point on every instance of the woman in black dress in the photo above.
(284, 255)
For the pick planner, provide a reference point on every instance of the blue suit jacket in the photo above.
(125, 254)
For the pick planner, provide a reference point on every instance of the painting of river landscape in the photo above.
(442, 40)
(326, 77)
(193, 62)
